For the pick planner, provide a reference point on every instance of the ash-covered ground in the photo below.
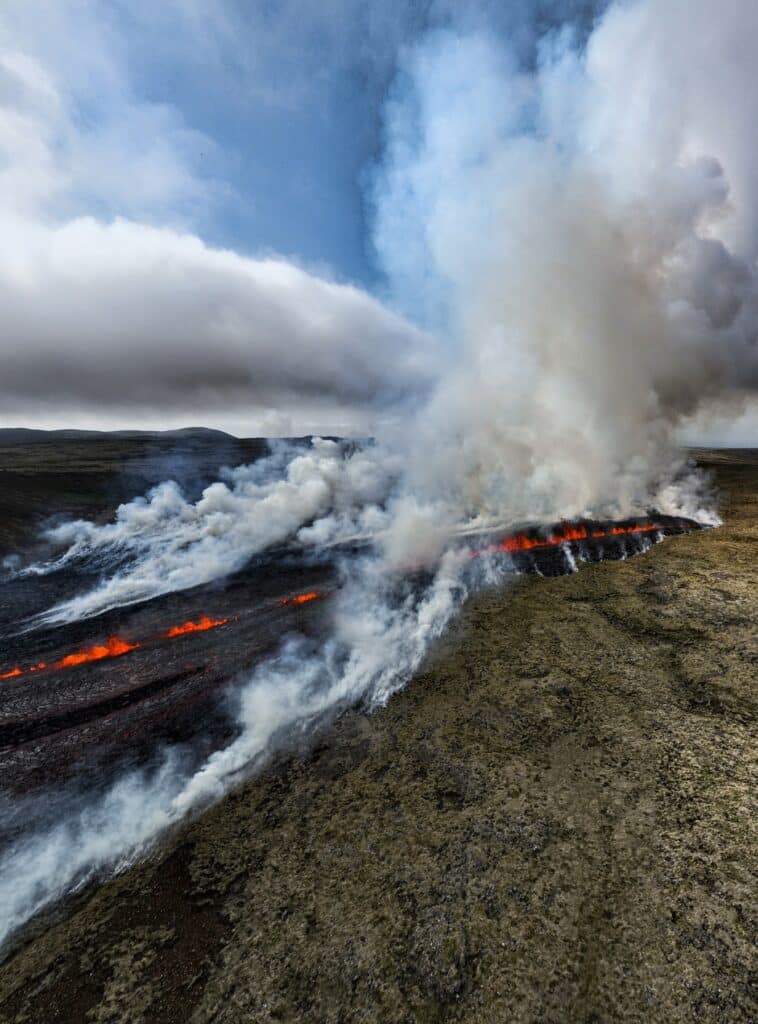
(552, 822)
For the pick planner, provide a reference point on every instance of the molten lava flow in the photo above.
(564, 535)
(112, 648)
(617, 531)
(312, 595)
(115, 646)
(203, 623)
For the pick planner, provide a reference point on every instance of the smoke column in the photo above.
(585, 232)
(580, 233)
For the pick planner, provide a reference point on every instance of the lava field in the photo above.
(87, 700)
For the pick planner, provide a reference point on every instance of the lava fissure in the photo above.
(515, 543)
(112, 648)
(312, 595)
(203, 623)
(116, 646)
(564, 535)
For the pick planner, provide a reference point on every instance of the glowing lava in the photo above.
(115, 646)
(203, 623)
(564, 535)
(312, 595)
(112, 648)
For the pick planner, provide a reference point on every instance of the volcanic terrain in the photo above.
(552, 822)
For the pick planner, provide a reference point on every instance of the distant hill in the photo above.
(28, 435)
(10, 436)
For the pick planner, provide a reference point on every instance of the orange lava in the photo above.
(115, 646)
(521, 542)
(203, 623)
(112, 648)
(312, 595)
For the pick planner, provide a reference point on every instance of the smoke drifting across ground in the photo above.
(309, 496)
(381, 630)
(581, 235)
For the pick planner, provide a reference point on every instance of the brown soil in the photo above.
(554, 822)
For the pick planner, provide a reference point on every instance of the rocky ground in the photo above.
(554, 822)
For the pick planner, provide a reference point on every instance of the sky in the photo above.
(195, 204)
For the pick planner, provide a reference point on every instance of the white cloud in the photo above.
(122, 313)
(113, 307)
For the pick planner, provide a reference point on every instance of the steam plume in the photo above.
(166, 543)
(379, 637)
(586, 229)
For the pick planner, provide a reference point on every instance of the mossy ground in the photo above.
(554, 822)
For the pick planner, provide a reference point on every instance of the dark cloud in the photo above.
(132, 316)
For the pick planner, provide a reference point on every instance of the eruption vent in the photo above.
(563, 535)
(203, 623)
(312, 595)
(112, 648)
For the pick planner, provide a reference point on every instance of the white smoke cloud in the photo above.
(310, 496)
(378, 641)
(586, 228)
